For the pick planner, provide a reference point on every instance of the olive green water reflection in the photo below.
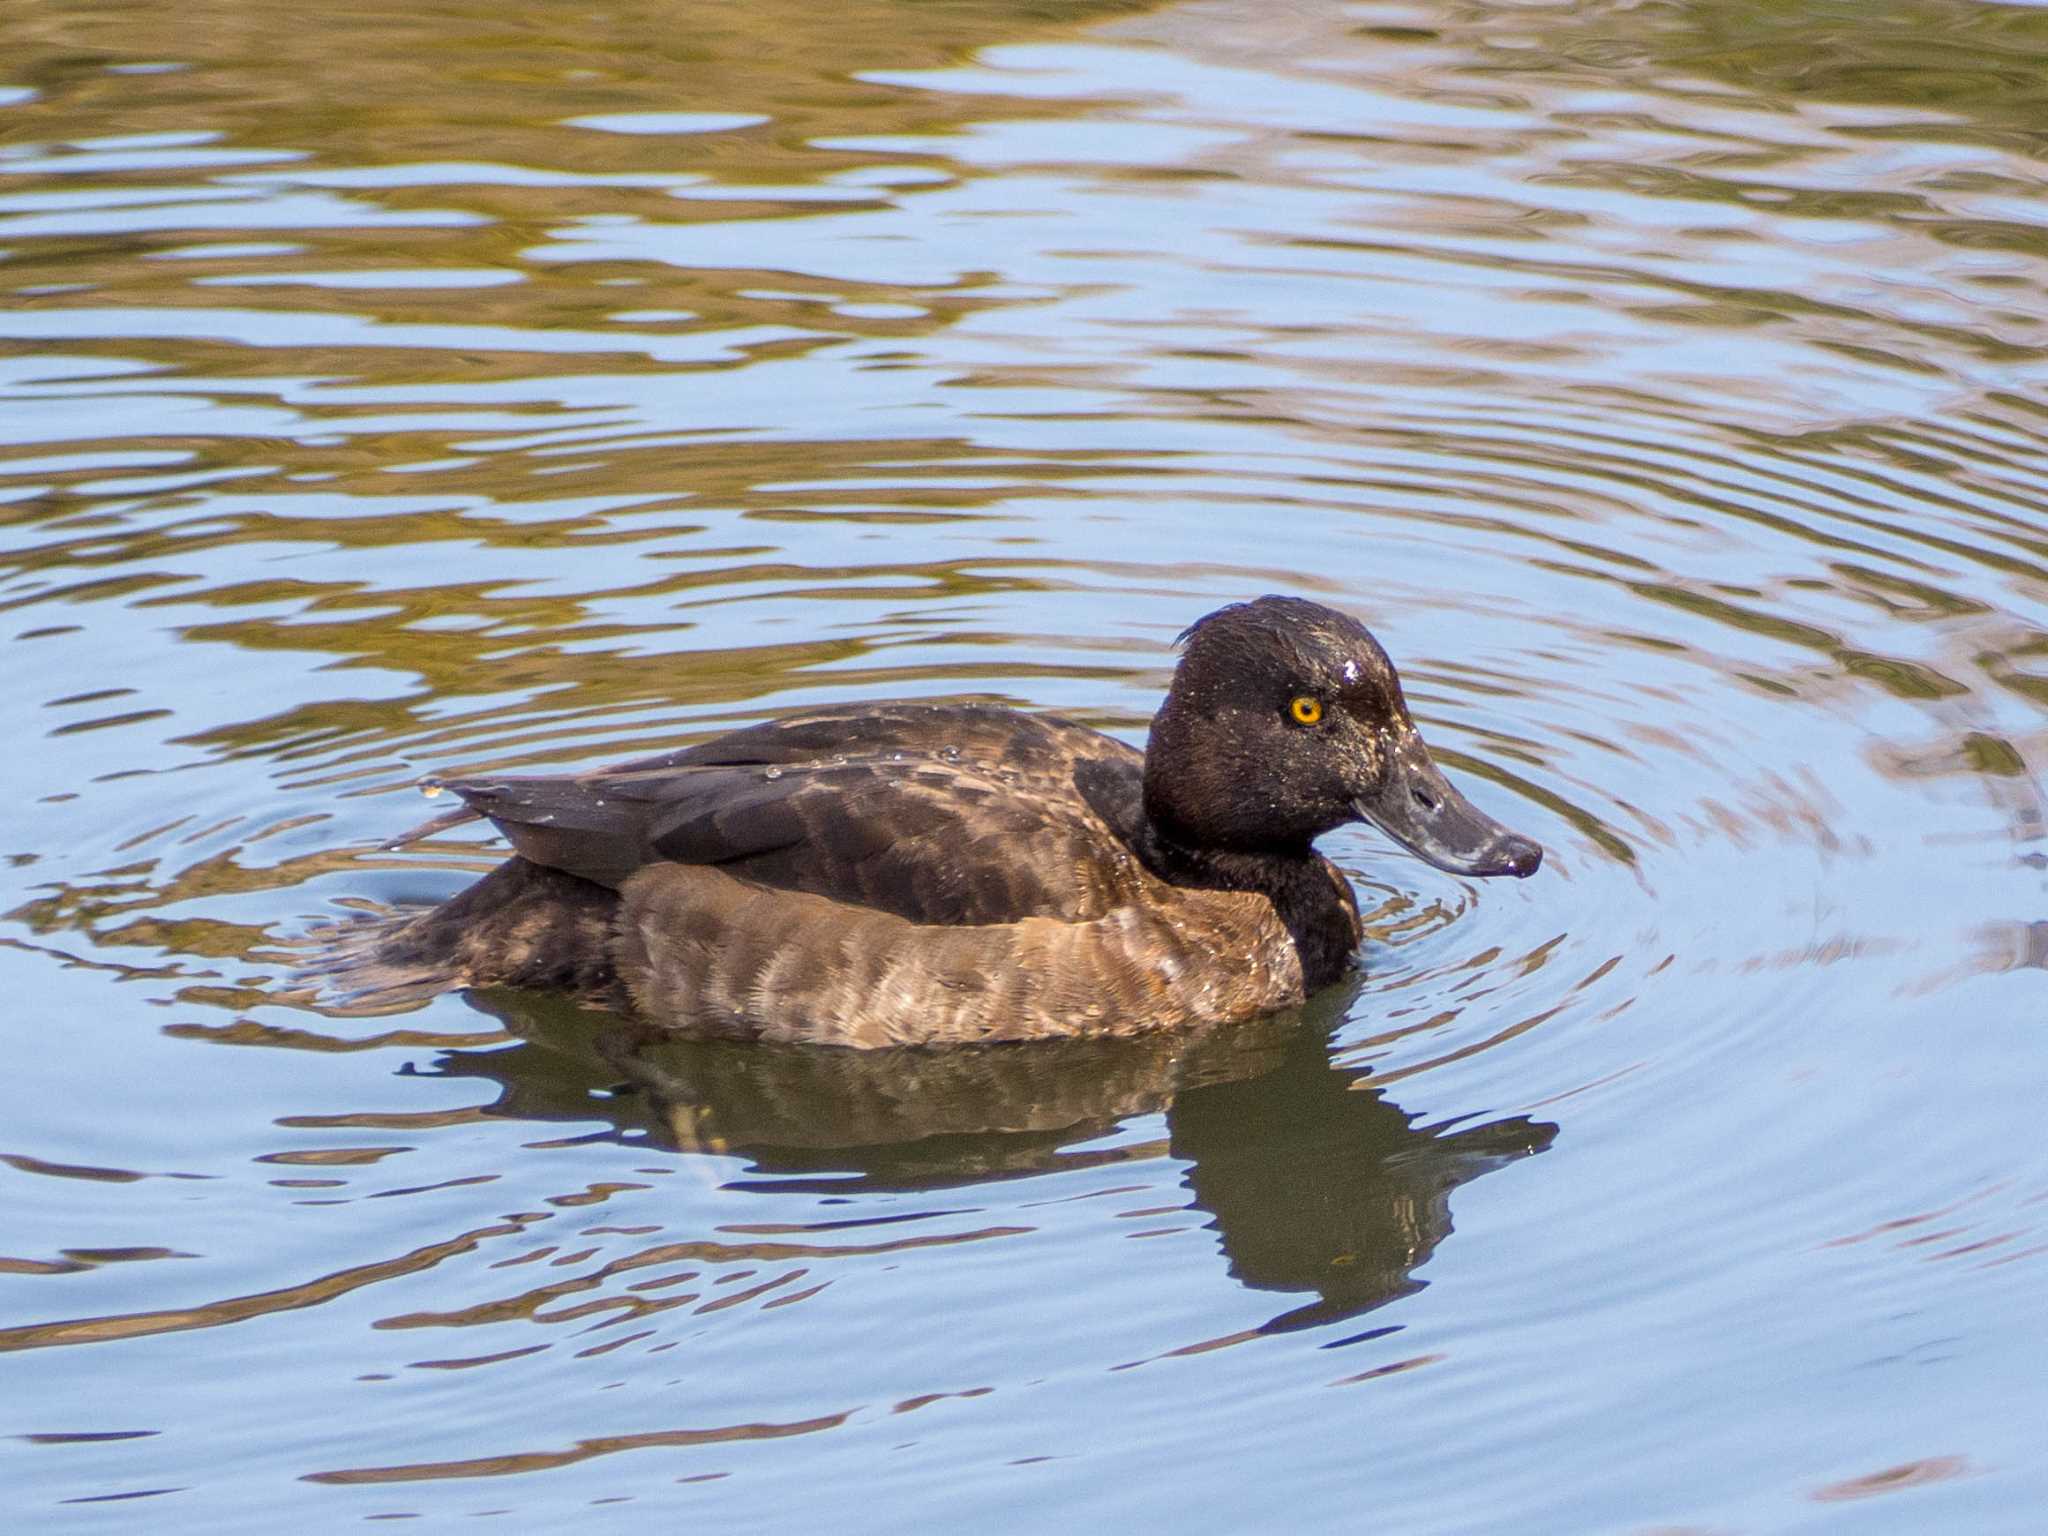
(383, 394)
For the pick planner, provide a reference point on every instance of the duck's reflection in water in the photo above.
(1316, 1183)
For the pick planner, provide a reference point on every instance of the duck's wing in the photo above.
(936, 814)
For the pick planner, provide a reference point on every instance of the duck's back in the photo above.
(939, 814)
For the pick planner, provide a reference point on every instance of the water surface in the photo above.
(494, 386)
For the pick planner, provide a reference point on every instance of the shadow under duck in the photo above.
(908, 874)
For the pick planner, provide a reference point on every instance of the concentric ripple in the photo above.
(384, 395)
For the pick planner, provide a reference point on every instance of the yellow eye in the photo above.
(1306, 709)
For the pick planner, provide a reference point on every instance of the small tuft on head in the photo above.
(1295, 624)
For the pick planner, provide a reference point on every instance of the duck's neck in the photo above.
(1309, 896)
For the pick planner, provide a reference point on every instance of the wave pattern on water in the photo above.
(389, 394)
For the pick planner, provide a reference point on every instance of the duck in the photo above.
(924, 874)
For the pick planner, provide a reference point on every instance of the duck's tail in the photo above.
(433, 826)
(522, 925)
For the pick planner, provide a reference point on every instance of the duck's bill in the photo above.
(1417, 807)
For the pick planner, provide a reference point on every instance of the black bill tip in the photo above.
(1518, 856)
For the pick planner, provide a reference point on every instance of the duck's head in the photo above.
(1285, 720)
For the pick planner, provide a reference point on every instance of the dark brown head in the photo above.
(1285, 720)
